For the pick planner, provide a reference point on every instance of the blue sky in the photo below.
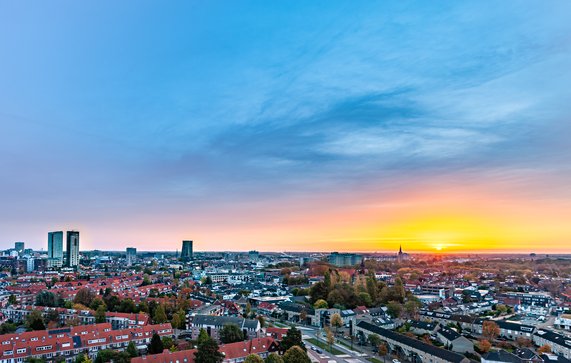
(144, 122)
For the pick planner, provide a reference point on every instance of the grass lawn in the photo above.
(324, 346)
(348, 346)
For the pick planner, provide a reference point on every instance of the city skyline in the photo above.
(241, 126)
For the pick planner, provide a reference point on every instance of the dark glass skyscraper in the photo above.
(186, 254)
(72, 251)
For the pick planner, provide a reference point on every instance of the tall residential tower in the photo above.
(55, 249)
(72, 249)
(186, 254)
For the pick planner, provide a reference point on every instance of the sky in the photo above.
(443, 126)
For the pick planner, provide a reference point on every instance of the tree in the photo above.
(159, 315)
(291, 339)
(330, 338)
(303, 316)
(375, 340)
(84, 296)
(412, 306)
(35, 321)
(175, 321)
(524, 342)
(546, 348)
(12, 300)
(97, 302)
(156, 345)
(168, 342)
(132, 350)
(484, 346)
(365, 299)
(262, 321)
(207, 350)
(394, 308)
(383, 350)
(274, 358)
(295, 354)
(47, 298)
(490, 330)
(7, 328)
(501, 308)
(100, 314)
(336, 321)
(321, 304)
(253, 358)
(231, 333)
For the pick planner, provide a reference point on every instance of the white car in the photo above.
(396, 361)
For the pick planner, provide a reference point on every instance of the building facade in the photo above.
(72, 249)
(55, 249)
(186, 253)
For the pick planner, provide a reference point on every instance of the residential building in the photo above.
(72, 249)
(213, 325)
(186, 254)
(55, 249)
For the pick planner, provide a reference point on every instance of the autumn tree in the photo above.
(484, 346)
(321, 304)
(490, 330)
(330, 338)
(383, 350)
(336, 322)
(544, 349)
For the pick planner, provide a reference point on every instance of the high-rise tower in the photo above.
(72, 249)
(55, 249)
(186, 254)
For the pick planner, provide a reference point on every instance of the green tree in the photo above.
(156, 345)
(321, 304)
(96, 303)
(262, 321)
(375, 340)
(132, 350)
(274, 358)
(394, 308)
(100, 314)
(12, 300)
(175, 321)
(159, 315)
(296, 354)
(231, 333)
(7, 328)
(207, 350)
(168, 342)
(47, 298)
(292, 338)
(253, 358)
(202, 336)
(35, 321)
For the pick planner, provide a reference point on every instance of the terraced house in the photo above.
(66, 343)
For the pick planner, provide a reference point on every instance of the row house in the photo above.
(560, 344)
(233, 352)
(410, 348)
(66, 343)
